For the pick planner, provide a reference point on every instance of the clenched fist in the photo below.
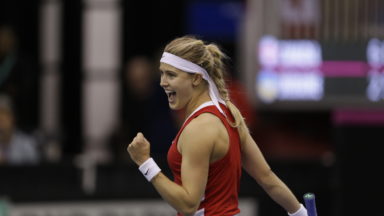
(139, 149)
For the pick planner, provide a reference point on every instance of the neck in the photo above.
(196, 102)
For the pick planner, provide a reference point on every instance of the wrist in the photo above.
(149, 169)
(141, 161)
(302, 211)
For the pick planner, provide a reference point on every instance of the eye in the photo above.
(170, 74)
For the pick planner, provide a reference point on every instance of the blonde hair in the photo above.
(210, 57)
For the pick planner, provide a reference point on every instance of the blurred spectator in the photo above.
(145, 108)
(7, 52)
(18, 79)
(16, 147)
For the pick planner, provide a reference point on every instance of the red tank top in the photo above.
(221, 192)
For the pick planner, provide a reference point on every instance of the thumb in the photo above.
(141, 137)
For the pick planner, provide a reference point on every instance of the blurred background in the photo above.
(78, 79)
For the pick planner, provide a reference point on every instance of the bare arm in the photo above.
(257, 167)
(195, 146)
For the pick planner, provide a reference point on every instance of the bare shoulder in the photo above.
(204, 123)
(203, 130)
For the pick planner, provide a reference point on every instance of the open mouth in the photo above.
(171, 96)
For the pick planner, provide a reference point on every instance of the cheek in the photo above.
(185, 91)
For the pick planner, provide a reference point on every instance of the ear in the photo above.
(197, 79)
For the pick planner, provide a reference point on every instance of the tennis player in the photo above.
(213, 145)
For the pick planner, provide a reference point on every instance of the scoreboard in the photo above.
(313, 54)
(298, 73)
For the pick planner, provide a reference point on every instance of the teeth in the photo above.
(169, 93)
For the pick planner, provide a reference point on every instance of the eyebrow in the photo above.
(166, 70)
(170, 72)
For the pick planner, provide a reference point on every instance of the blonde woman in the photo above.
(213, 145)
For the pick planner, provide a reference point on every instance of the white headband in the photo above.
(190, 67)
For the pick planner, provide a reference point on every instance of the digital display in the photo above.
(313, 74)
(375, 59)
(290, 70)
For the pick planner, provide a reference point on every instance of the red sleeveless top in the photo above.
(221, 192)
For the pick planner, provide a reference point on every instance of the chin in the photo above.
(175, 107)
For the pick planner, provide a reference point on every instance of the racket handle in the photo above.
(310, 204)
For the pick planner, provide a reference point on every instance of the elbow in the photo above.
(265, 179)
(189, 209)
(185, 203)
(188, 212)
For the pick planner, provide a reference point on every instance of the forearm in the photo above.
(255, 165)
(280, 193)
(177, 196)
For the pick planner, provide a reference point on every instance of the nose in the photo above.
(163, 81)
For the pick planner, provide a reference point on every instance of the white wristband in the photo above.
(149, 169)
(301, 212)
